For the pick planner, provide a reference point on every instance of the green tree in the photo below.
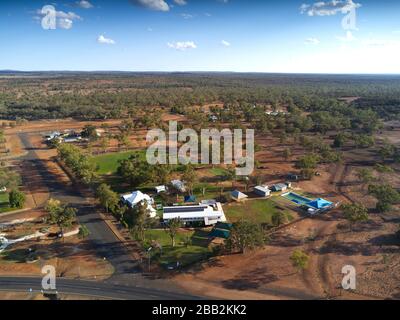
(162, 173)
(61, 215)
(52, 207)
(245, 235)
(17, 199)
(172, 229)
(83, 232)
(355, 213)
(309, 161)
(90, 132)
(363, 140)
(278, 218)
(308, 164)
(104, 143)
(340, 140)
(135, 170)
(366, 176)
(78, 162)
(386, 196)
(190, 178)
(9, 179)
(138, 219)
(387, 151)
(108, 198)
(300, 259)
(230, 175)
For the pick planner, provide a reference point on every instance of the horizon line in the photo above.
(189, 71)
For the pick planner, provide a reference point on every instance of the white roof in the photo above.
(188, 212)
(239, 195)
(262, 188)
(178, 184)
(136, 197)
(210, 202)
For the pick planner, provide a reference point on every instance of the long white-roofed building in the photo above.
(207, 214)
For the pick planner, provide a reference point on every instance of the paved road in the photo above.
(106, 244)
(102, 239)
(103, 290)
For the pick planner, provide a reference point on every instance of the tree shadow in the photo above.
(385, 240)
(251, 280)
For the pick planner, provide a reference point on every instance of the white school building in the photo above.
(209, 214)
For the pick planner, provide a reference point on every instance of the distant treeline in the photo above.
(114, 95)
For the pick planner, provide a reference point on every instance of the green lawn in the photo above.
(219, 172)
(197, 250)
(211, 191)
(259, 211)
(108, 163)
(4, 204)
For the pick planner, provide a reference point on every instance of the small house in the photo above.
(293, 177)
(53, 135)
(178, 185)
(238, 196)
(219, 233)
(279, 187)
(161, 189)
(190, 199)
(72, 138)
(136, 197)
(211, 202)
(221, 230)
(262, 191)
(213, 118)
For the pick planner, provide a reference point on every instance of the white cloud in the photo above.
(157, 5)
(68, 15)
(103, 40)
(182, 45)
(65, 20)
(84, 4)
(314, 41)
(65, 24)
(187, 16)
(225, 43)
(180, 2)
(328, 8)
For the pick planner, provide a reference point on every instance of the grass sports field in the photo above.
(108, 163)
(259, 211)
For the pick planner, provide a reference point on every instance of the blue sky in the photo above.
(203, 35)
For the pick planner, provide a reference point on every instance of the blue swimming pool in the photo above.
(296, 198)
